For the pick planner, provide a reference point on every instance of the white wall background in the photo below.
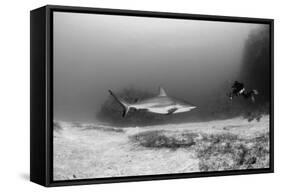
(14, 97)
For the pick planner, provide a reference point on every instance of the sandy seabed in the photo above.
(84, 151)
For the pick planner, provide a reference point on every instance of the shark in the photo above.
(160, 104)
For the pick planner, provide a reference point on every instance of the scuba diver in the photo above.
(238, 89)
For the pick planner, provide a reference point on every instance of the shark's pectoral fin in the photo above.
(171, 111)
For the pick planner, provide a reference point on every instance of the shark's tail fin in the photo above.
(123, 103)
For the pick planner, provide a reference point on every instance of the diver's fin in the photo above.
(252, 98)
(255, 92)
(162, 92)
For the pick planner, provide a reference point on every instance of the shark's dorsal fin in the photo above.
(162, 92)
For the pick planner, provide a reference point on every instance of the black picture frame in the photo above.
(41, 108)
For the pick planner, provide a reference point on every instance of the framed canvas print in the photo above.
(122, 95)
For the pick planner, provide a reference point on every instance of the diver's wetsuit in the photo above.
(237, 88)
